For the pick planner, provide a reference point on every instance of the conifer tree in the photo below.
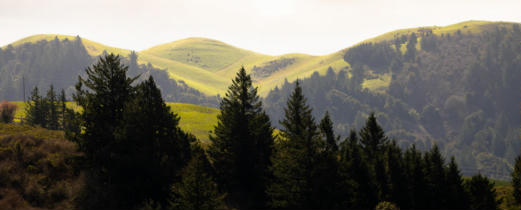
(456, 196)
(52, 107)
(62, 108)
(415, 170)
(372, 138)
(150, 146)
(516, 180)
(436, 177)
(326, 128)
(482, 194)
(103, 105)
(374, 142)
(357, 187)
(242, 144)
(295, 163)
(197, 189)
(326, 193)
(395, 168)
(36, 109)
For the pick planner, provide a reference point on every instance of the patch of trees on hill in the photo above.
(457, 90)
(60, 62)
(271, 67)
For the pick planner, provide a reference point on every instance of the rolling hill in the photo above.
(208, 65)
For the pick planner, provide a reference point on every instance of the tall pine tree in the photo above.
(197, 188)
(242, 144)
(298, 154)
(103, 105)
(357, 186)
(52, 106)
(456, 196)
(150, 145)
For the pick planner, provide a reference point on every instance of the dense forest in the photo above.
(131, 154)
(60, 62)
(457, 91)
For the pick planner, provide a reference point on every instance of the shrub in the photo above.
(7, 111)
(384, 205)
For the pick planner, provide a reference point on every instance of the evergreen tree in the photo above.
(395, 168)
(372, 138)
(103, 105)
(374, 142)
(326, 128)
(242, 144)
(436, 178)
(52, 104)
(416, 175)
(62, 108)
(326, 194)
(482, 194)
(36, 109)
(150, 146)
(357, 187)
(197, 189)
(516, 180)
(297, 156)
(456, 196)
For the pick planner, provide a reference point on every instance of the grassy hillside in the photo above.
(209, 65)
(208, 54)
(472, 26)
(198, 120)
(93, 48)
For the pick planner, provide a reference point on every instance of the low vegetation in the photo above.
(37, 169)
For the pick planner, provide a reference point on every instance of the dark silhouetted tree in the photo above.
(295, 164)
(197, 188)
(482, 194)
(242, 144)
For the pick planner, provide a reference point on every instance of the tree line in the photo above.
(135, 156)
(456, 90)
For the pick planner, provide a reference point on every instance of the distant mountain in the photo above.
(457, 86)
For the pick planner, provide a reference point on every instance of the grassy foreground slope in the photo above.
(37, 169)
(197, 120)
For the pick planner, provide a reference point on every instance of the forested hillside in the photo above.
(459, 90)
(61, 61)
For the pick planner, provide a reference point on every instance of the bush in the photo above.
(7, 111)
(384, 205)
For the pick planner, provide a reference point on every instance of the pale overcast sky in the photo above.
(272, 27)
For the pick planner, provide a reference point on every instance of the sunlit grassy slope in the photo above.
(198, 120)
(204, 53)
(209, 65)
(466, 27)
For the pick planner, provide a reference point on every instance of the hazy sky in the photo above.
(268, 26)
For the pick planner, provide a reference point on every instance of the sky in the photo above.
(272, 27)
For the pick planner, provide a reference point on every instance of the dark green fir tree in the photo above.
(242, 145)
(298, 155)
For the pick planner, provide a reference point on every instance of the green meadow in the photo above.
(197, 120)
